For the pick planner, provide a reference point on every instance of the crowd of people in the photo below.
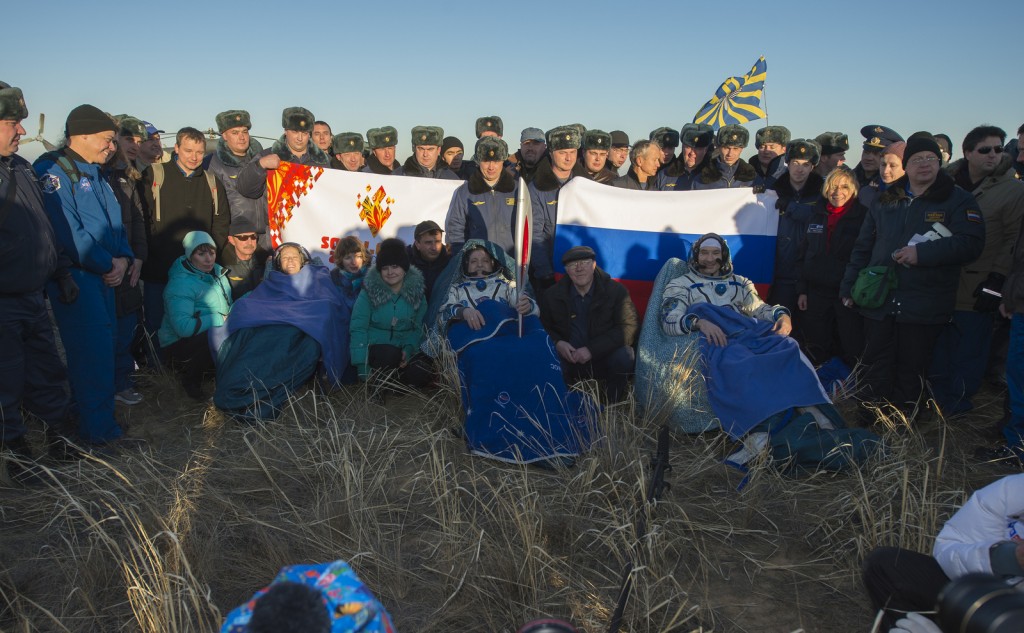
(908, 266)
(903, 264)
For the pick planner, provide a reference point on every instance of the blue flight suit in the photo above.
(86, 220)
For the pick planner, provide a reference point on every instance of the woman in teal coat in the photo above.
(386, 328)
(197, 297)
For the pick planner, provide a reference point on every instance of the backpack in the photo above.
(158, 181)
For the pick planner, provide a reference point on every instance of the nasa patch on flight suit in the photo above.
(85, 184)
(50, 183)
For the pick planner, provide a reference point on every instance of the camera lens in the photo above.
(980, 603)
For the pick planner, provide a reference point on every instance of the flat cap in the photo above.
(577, 253)
(619, 138)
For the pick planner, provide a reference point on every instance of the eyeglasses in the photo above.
(579, 263)
(245, 238)
(984, 151)
(923, 160)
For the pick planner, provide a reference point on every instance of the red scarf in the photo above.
(835, 214)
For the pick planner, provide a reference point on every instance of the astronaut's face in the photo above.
(709, 259)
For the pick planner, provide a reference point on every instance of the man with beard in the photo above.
(834, 146)
(770, 161)
(697, 139)
(428, 253)
(382, 141)
(563, 149)
(347, 151)
(727, 171)
(235, 148)
(426, 150)
(532, 147)
(243, 257)
(645, 169)
(619, 153)
(961, 353)
(150, 150)
(595, 155)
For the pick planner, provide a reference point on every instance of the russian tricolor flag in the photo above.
(635, 232)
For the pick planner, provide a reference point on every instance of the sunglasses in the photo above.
(245, 238)
(984, 151)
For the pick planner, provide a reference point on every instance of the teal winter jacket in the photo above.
(384, 317)
(194, 301)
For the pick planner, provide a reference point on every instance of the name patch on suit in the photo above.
(935, 216)
(510, 201)
(815, 228)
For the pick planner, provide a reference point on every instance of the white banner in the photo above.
(316, 207)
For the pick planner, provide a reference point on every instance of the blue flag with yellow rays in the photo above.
(737, 100)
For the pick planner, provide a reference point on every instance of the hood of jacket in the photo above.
(379, 293)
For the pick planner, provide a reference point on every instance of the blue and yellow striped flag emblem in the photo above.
(737, 100)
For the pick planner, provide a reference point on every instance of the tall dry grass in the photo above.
(171, 538)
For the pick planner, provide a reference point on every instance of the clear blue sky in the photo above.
(913, 65)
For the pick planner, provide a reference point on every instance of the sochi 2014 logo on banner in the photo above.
(316, 207)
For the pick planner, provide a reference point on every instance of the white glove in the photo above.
(915, 623)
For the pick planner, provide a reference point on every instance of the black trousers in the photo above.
(615, 369)
(418, 370)
(830, 329)
(190, 358)
(31, 373)
(900, 580)
(896, 358)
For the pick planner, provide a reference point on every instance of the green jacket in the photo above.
(384, 317)
(193, 301)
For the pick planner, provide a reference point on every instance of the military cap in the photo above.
(427, 135)
(489, 124)
(564, 137)
(832, 142)
(12, 103)
(596, 139)
(130, 126)
(666, 137)
(378, 137)
(619, 138)
(489, 148)
(878, 137)
(803, 149)
(346, 142)
(297, 120)
(579, 127)
(578, 253)
(772, 134)
(696, 135)
(733, 135)
(232, 119)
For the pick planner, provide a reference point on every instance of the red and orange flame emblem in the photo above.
(374, 210)
(285, 187)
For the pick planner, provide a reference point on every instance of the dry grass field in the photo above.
(169, 538)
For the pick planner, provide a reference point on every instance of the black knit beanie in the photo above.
(88, 119)
(450, 142)
(916, 144)
(391, 252)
